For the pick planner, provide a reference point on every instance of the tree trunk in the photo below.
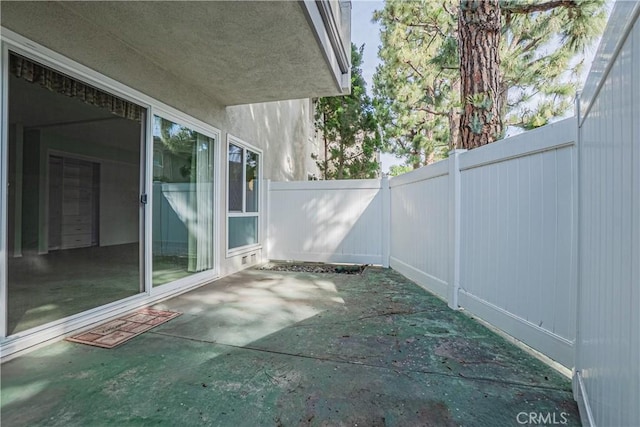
(340, 173)
(502, 105)
(428, 150)
(415, 150)
(479, 32)
(416, 165)
(454, 121)
(326, 146)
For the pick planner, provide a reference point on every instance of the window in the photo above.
(243, 196)
(182, 201)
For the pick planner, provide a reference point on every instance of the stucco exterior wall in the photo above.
(283, 130)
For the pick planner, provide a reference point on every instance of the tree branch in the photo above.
(435, 113)
(538, 7)
(532, 44)
(413, 68)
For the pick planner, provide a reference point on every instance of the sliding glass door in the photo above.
(76, 198)
(73, 205)
(183, 201)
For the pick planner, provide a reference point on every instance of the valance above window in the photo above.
(59, 83)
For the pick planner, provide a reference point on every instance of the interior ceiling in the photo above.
(35, 107)
(237, 51)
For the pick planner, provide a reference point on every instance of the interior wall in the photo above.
(119, 205)
(31, 197)
(119, 168)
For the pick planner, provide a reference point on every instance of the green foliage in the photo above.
(180, 141)
(480, 100)
(541, 56)
(176, 138)
(476, 124)
(349, 130)
(417, 90)
(396, 170)
(412, 90)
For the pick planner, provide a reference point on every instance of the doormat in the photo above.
(116, 332)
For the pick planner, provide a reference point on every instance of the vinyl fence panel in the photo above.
(419, 222)
(326, 221)
(608, 344)
(518, 234)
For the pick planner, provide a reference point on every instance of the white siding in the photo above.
(326, 221)
(420, 226)
(608, 342)
(517, 237)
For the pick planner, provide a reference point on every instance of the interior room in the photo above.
(74, 211)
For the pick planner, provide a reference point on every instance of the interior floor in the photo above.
(168, 269)
(44, 288)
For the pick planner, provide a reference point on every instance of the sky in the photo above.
(364, 31)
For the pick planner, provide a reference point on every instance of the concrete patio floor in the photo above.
(292, 349)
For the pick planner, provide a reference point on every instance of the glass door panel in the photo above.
(74, 222)
(182, 202)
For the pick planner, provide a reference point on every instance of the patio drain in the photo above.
(307, 267)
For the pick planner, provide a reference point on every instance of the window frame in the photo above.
(245, 146)
(209, 132)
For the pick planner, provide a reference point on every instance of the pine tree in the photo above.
(411, 91)
(541, 43)
(349, 130)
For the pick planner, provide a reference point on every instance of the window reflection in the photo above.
(243, 195)
(235, 178)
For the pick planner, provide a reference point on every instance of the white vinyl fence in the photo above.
(420, 239)
(518, 235)
(328, 221)
(493, 231)
(607, 383)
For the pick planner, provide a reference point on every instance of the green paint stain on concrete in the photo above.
(281, 348)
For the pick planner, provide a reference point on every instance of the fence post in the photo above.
(266, 218)
(577, 239)
(386, 220)
(454, 227)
